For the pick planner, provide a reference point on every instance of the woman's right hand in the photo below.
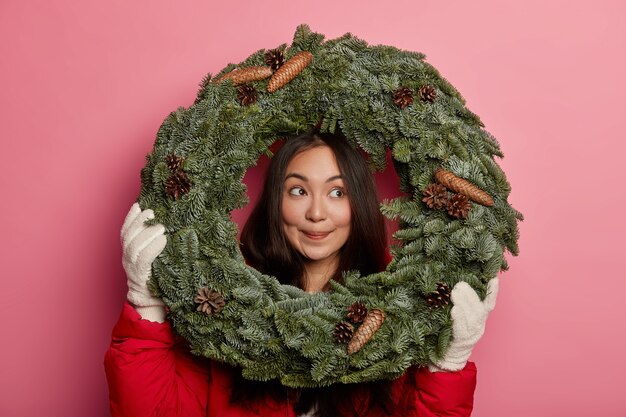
(141, 244)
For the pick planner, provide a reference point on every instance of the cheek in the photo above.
(342, 216)
(289, 213)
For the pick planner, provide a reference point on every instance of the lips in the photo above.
(315, 235)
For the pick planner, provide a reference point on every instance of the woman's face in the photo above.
(315, 207)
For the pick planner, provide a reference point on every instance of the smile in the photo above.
(316, 235)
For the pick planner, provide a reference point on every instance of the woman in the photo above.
(317, 217)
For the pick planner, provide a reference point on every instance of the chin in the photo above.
(318, 257)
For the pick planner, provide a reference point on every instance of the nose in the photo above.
(316, 211)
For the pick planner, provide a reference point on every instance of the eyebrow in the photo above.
(303, 178)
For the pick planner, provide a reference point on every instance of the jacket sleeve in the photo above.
(440, 394)
(150, 373)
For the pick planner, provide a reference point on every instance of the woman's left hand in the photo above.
(469, 316)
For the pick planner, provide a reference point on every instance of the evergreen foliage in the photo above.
(276, 331)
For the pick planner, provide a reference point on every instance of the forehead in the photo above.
(318, 160)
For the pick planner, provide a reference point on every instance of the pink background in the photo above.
(85, 85)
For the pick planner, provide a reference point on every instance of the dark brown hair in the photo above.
(266, 248)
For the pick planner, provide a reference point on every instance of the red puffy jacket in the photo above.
(151, 373)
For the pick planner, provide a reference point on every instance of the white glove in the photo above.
(141, 245)
(469, 316)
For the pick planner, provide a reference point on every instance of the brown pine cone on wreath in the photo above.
(343, 332)
(364, 333)
(177, 184)
(458, 206)
(274, 58)
(357, 312)
(435, 196)
(463, 186)
(403, 97)
(210, 301)
(246, 94)
(289, 70)
(440, 297)
(174, 162)
(427, 93)
(245, 75)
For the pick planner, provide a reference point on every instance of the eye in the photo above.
(298, 191)
(337, 193)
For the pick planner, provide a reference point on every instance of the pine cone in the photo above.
(463, 186)
(403, 96)
(174, 162)
(178, 183)
(211, 302)
(372, 322)
(246, 75)
(440, 297)
(427, 93)
(357, 312)
(289, 70)
(247, 94)
(274, 58)
(435, 196)
(343, 332)
(458, 206)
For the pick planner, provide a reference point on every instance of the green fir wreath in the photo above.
(454, 220)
